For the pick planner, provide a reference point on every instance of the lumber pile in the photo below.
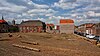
(28, 42)
(26, 47)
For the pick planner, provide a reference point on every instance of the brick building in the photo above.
(89, 28)
(49, 28)
(32, 26)
(4, 27)
(85, 28)
(96, 29)
(67, 26)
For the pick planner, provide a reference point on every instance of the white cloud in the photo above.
(22, 19)
(55, 19)
(97, 14)
(19, 15)
(32, 15)
(73, 15)
(93, 14)
(46, 12)
(62, 1)
(11, 7)
(39, 18)
(66, 4)
(40, 6)
(29, 2)
(49, 14)
(37, 5)
(36, 10)
(81, 10)
(95, 8)
(42, 10)
(87, 20)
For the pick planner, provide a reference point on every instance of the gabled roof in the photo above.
(31, 23)
(89, 25)
(50, 24)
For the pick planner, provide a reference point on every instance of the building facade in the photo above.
(32, 26)
(96, 29)
(67, 26)
(85, 28)
(49, 28)
(4, 27)
(89, 28)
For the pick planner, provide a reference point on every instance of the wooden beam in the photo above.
(26, 47)
(5, 39)
(28, 42)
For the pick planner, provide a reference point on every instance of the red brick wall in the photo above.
(26, 29)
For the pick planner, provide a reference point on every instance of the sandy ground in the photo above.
(49, 45)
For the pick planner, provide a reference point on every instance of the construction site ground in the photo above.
(48, 44)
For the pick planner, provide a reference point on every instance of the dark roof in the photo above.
(31, 23)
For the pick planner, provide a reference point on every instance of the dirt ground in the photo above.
(49, 45)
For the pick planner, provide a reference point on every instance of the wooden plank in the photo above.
(26, 47)
(28, 42)
(91, 41)
(5, 39)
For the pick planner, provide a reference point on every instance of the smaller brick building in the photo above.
(32, 26)
(49, 28)
(4, 27)
(67, 26)
(96, 29)
(89, 28)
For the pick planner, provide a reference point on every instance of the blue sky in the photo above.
(51, 11)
